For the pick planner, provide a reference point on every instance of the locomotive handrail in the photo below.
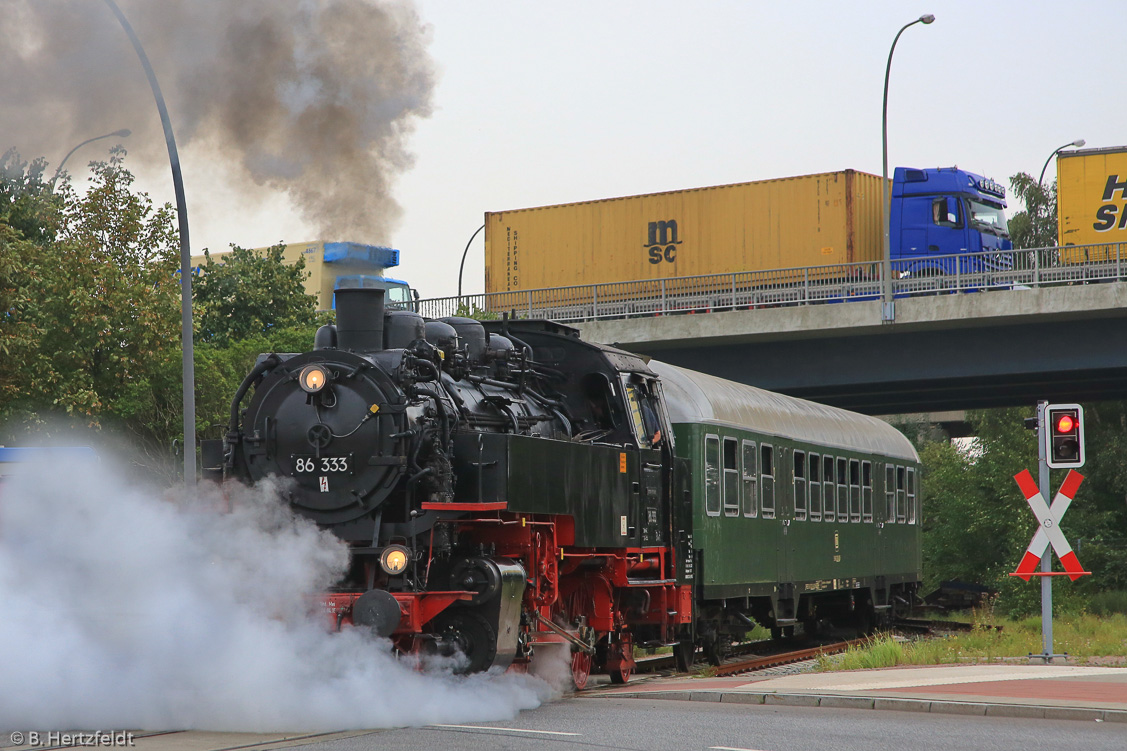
(799, 286)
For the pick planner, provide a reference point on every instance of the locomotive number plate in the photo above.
(325, 465)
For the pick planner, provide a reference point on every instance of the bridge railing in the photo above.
(840, 283)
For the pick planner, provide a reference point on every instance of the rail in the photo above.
(959, 273)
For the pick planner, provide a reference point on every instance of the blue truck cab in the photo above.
(398, 293)
(937, 213)
(356, 265)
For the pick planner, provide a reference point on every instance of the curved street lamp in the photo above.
(1042, 212)
(1077, 143)
(123, 133)
(189, 367)
(463, 263)
(888, 309)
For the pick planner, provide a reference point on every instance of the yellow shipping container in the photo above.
(812, 220)
(1091, 202)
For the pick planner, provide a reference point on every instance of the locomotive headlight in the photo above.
(393, 560)
(313, 378)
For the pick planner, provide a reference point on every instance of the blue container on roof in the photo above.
(373, 255)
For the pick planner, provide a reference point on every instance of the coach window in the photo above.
(814, 467)
(889, 494)
(750, 500)
(901, 496)
(828, 489)
(712, 475)
(799, 485)
(842, 489)
(866, 491)
(731, 477)
(911, 495)
(854, 490)
(767, 478)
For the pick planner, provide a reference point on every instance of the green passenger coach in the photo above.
(796, 512)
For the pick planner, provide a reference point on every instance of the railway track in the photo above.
(760, 661)
(927, 626)
(750, 656)
(785, 658)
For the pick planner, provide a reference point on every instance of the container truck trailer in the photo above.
(1092, 204)
(827, 224)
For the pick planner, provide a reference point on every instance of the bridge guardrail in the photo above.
(816, 285)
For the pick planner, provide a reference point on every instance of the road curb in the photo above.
(839, 701)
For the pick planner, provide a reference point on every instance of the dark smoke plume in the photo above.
(311, 97)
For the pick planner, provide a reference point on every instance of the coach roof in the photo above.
(698, 398)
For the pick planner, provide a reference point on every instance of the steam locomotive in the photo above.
(506, 488)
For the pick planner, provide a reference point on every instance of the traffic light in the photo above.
(1064, 429)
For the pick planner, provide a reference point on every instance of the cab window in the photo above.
(945, 212)
(643, 410)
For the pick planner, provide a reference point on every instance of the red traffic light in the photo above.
(1064, 443)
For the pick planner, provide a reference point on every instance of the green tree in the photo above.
(92, 319)
(246, 293)
(27, 203)
(1036, 225)
(90, 316)
(977, 525)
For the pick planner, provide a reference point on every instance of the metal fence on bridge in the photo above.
(815, 285)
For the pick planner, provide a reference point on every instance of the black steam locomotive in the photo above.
(506, 487)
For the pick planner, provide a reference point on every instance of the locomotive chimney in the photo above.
(360, 319)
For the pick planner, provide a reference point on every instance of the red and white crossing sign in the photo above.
(1049, 532)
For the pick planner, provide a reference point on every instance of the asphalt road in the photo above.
(661, 725)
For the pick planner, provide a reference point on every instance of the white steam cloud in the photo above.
(129, 608)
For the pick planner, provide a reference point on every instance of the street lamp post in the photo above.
(189, 371)
(1077, 143)
(1043, 210)
(462, 265)
(888, 306)
(123, 133)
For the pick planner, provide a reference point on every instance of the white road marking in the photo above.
(729, 748)
(502, 730)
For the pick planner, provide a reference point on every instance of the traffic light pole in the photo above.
(1046, 560)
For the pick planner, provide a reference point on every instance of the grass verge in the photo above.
(1082, 637)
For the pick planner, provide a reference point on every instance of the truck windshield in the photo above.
(990, 216)
(397, 293)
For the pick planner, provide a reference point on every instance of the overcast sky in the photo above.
(540, 103)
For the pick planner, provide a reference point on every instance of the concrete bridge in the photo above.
(943, 352)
